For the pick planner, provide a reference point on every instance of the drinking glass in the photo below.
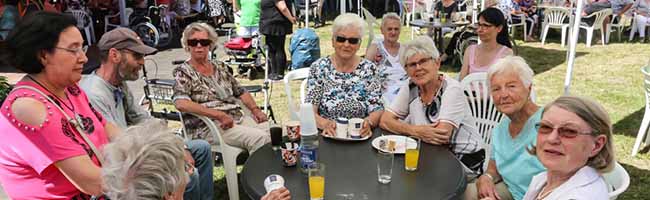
(412, 146)
(276, 136)
(317, 181)
(384, 166)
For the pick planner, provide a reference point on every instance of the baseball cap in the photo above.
(124, 38)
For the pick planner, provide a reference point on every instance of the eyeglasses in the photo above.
(340, 39)
(135, 55)
(563, 131)
(417, 63)
(485, 25)
(77, 51)
(432, 111)
(203, 42)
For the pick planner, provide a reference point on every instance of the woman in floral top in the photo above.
(344, 84)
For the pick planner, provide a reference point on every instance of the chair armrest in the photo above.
(214, 130)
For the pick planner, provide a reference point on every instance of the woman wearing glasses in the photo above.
(510, 168)
(51, 135)
(344, 84)
(432, 107)
(495, 43)
(574, 143)
(202, 83)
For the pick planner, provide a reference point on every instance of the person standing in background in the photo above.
(275, 24)
(249, 16)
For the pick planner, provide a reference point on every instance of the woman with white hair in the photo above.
(344, 84)
(509, 172)
(385, 54)
(433, 108)
(204, 87)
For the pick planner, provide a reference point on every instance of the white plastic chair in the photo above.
(522, 22)
(371, 21)
(619, 26)
(85, 23)
(482, 107)
(297, 74)
(618, 180)
(107, 19)
(554, 18)
(229, 154)
(643, 130)
(598, 25)
(635, 28)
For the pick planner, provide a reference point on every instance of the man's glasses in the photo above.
(77, 51)
(419, 62)
(485, 25)
(563, 131)
(340, 39)
(135, 55)
(203, 42)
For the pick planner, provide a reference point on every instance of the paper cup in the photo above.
(289, 157)
(354, 128)
(293, 130)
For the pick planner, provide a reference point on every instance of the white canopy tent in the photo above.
(575, 28)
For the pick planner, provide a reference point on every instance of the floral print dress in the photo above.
(350, 95)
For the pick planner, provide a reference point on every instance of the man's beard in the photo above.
(126, 76)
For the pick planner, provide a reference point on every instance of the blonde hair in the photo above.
(422, 45)
(346, 21)
(145, 162)
(514, 64)
(199, 27)
(598, 120)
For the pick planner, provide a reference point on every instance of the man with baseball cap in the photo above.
(122, 57)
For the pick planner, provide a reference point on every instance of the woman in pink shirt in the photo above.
(495, 43)
(43, 153)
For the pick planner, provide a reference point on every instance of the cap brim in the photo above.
(143, 49)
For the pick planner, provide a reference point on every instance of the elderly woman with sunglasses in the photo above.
(344, 84)
(206, 88)
(574, 143)
(510, 168)
(433, 108)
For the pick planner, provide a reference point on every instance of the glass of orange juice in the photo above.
(412, 146)
(317, 181)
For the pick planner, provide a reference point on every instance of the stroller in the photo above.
(246, 53)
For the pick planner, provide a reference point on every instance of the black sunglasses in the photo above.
(340, 39)
(203, 42)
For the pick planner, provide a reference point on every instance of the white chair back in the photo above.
(600, 17)
(370, 20)
(483, 110)
(618, 180)
(556, 15)
(645, 122)
(83, 19)
(298, 74)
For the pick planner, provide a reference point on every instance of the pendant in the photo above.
(79, 121)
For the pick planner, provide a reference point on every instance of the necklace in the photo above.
(543, 194)
(78, 120)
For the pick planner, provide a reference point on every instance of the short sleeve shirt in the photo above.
(514, 163)
(618, 5)
(28, 153)
(250, 12)
(349, 95)
(448, 105)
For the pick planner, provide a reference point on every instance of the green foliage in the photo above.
(5, 88)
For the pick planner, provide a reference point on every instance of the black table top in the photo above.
(351, 168)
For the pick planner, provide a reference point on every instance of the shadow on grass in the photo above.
(629, 125)
(543, 59)
(639, 181)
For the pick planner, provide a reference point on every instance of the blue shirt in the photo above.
(514, 163)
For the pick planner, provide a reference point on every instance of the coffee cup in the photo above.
(342, 127)
(354, 127)
(293, 130)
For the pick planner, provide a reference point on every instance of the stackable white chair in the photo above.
(598, 25)
(618, 181)
(298, 74)
(619, 26)
(522, 22)
(554, 18)
(482, 107)
(84, 23)
(643, 130)
(635, 28)
(371, 21)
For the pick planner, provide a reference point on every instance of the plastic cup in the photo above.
(276, 136)
(293, 130)
(317, 181)
(384, 166)
(412, 146)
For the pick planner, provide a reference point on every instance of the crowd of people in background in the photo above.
(86, 136)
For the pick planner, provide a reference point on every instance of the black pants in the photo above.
(277, 56)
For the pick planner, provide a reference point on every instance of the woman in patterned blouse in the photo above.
(344, 84)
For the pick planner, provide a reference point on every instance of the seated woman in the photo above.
(511, 168)
(147, 163)
(528, 10)
(446, 8)
(574, 143)
(433, 108)
(344, 84)
(206, 88)
(52, 136)
(385, 54)
(495, 43)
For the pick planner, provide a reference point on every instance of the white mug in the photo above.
(354, 127)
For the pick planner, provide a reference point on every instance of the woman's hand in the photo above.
(328, 126)
(259, 116)
(430, 134)
(279, 194)
(486, 188)
(366, 128)
(225, 121)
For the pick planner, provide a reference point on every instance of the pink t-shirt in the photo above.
(28, 153)
(474, 67)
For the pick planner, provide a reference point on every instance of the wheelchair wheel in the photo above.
(148, 33)
(166, 34)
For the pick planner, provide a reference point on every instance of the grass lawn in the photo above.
(610, 74)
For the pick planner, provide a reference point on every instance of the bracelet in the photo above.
(491, 177)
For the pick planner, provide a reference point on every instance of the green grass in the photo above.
(609, 74)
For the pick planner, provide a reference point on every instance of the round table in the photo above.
(436, 27)
(351, 169)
